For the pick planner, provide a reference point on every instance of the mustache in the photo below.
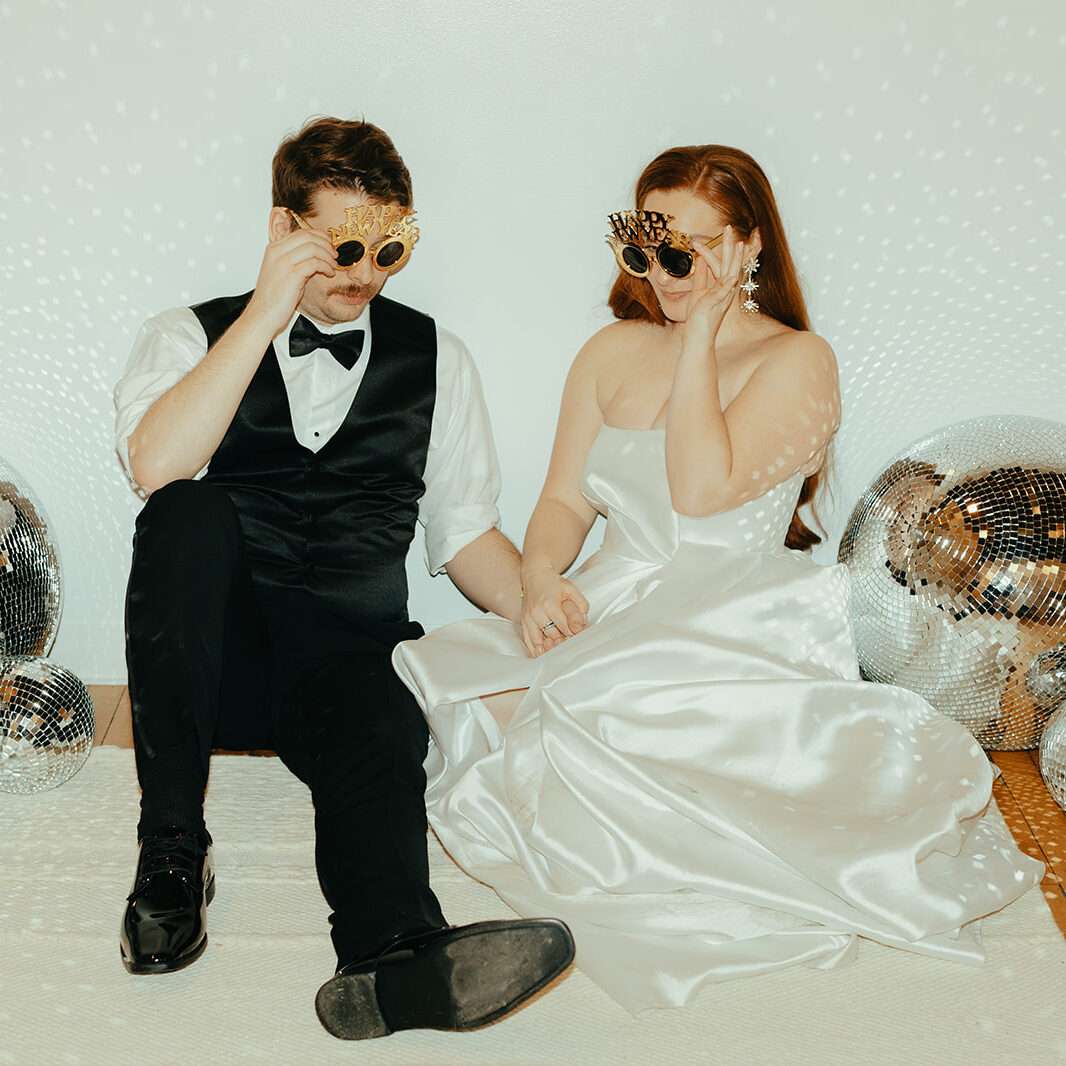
(353, 291)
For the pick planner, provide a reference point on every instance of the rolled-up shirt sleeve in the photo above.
(167, 347)
(462, 474)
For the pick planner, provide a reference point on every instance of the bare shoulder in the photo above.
(793, 352)
(798, 370)
(802, 366)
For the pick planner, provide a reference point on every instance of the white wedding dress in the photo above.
(699, 783)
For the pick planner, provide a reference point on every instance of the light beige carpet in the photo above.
(68, 857)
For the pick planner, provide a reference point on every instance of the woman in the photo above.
(681, 759)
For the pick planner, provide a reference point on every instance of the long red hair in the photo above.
(736, 187)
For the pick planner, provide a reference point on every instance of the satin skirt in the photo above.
(701, 785)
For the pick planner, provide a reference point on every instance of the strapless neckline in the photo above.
(625, 479)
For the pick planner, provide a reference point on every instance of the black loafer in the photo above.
(164, 927)
(458, 977)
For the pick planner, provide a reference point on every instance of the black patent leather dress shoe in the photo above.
(165, 924)
(458, 977)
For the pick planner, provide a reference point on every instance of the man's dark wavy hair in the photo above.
(336, 153)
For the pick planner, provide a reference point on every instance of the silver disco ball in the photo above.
(1053, 756)
(957, 556)
(46, 724)
(30, 585)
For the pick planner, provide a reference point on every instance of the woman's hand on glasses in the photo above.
(715, 286)
(288, 264)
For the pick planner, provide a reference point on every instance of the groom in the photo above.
(287, 441)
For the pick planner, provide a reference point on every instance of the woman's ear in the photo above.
(756, 242)
(280, 224)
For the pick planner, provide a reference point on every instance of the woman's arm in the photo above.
(562, 518)
(782, 418)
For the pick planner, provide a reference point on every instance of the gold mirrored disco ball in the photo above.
(30, 581)
(46, 724)
(957, 556)
(1053, 756)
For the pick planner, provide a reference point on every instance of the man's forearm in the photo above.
(488, 572)
(181, 431)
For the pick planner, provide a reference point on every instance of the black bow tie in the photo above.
(345, 347)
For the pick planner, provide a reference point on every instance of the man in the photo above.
(288, 440)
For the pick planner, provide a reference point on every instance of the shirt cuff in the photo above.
(454, 530)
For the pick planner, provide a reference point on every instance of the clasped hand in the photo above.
(552, 610)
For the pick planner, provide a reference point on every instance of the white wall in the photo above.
(916, 147)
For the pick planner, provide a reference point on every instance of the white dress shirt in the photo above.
(462, 474)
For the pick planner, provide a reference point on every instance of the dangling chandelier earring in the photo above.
(749, 286)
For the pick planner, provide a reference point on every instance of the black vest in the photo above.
(338, 523)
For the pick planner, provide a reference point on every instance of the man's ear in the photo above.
(280, 224)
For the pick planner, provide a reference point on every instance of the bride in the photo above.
(679, 757)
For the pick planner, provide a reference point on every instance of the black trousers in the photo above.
(217, 659)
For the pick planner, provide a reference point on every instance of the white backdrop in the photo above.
(916, 147)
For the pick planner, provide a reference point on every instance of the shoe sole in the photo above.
(484, 972)
(143, 968)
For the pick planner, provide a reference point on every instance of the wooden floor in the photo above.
(1037, 822)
